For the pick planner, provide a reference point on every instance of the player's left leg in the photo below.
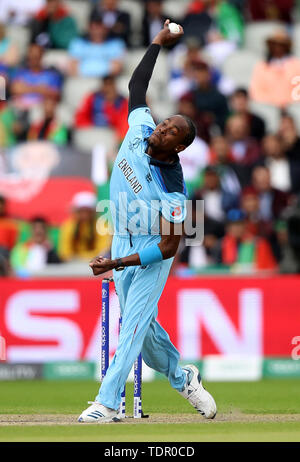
(161, 355)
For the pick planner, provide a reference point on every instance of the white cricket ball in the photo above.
(174, 28)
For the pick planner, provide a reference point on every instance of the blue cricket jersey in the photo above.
(141, 187)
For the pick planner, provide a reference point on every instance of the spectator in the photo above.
(291, 145)
(53, 26)
(240, 247)
(202, 15)
(34, 254)
(271, 82)
(8, 228)
(9, 54)
(220, 156)
(19, 12)
(8, 128)
(218, 49)
(185, 61)
(250, 208)
(286, 255)
(96, 55)
(104, 108)
(197, 20)
(33, 83)
(201, 254)
(277, 163)
(187, 106)
(211, 105)
(228, 20)
(271, 10)
(196, 157)
(8, 237)
(183, 56)
(182, 70)
(199, 257)
(291, 216)
(4, 263)
(79, 238)
(239, 103)
(272, 201)
(250, 205)
(49, 128)
(116, 20)
(245, 150)
(212, 195)
(216, 199)
(153, 20)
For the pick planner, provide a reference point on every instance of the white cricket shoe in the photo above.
(196, 394)
(97, 413)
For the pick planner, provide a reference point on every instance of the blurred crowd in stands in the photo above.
(245, 166)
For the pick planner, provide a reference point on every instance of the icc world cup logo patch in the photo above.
(135, 143)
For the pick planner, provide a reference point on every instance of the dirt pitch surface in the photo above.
(60, 419)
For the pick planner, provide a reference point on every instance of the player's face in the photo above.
(169, 135)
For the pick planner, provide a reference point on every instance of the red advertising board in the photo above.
(43, 320)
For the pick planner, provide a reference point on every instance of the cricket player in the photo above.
(147, 172)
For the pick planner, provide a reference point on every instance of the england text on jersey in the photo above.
(130, 176)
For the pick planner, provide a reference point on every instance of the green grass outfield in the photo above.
(268, 410)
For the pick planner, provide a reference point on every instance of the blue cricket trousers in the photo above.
(139, 289)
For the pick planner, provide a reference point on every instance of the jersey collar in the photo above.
(161, 164)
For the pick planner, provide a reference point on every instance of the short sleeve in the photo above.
(117, 49)
(173, 207)
(141, 116)
(77, 48)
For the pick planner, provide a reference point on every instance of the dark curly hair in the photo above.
(192, 132)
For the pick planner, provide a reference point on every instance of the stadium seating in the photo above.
(157, 96)
(132, 59)
(294, 111)
(56, 58)
(239, 66)
(76, 88)
(172, 6)
(256, 34)
(269, 113)
(135, 9)
(80, 10)
(20, 36)
(65, 114)
(161, 71)
(296, 39)
(86, 139)
(163, 109)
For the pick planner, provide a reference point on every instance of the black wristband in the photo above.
(119, 264)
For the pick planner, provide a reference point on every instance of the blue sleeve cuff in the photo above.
(150, 255)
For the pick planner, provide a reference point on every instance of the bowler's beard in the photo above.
(149, 144)
(153, 147)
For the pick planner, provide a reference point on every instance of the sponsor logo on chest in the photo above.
(130, 176)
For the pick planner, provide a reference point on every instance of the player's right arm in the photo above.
(140, 79)
(170, 237)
